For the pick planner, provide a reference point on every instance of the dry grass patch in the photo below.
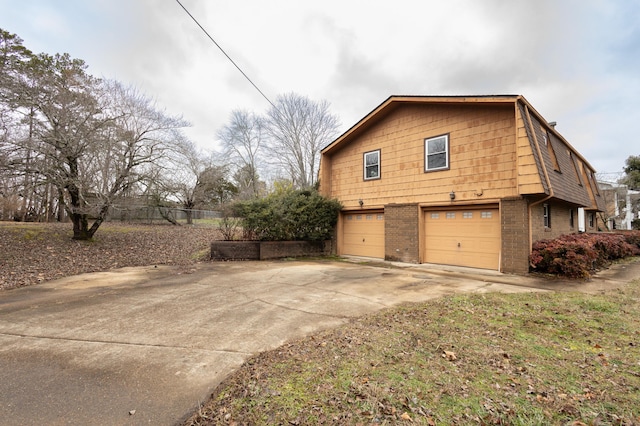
(517, 359)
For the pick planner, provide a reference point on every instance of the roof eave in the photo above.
(387, 104)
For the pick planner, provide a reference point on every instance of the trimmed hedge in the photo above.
(580, 255)
(288, 214)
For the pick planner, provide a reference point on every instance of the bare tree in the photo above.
(72, 142)
(91, 139)
(243, 142)
(299, 128)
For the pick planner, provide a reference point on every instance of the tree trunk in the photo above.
(80, 227)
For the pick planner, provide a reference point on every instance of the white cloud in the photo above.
(575, 61)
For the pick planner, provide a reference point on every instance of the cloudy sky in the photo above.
(576, 61)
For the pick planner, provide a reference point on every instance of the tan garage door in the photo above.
(463, 238)
(363, 234)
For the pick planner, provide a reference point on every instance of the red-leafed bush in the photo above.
(579, 255)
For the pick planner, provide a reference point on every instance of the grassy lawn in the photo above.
(490, 359)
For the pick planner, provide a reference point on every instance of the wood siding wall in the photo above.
(482, 157)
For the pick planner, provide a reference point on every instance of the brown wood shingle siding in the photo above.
(532, 179)
(481, 151)
(496, 149)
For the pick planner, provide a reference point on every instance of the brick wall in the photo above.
(262, 250)
(280, 249)
(401, 227)
(560, 221)
(514, 224)
(235, 250)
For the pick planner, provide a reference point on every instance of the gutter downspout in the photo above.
(544, 171)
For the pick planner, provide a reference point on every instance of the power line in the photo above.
(228, 57)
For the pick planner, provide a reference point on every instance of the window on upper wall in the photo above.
(436, 153)
(546, 214)
(372, 165)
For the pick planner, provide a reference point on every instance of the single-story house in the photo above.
(457, 180)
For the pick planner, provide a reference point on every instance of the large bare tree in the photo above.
(83, 139)
(299, 128)
(243, 140)
(193, 180)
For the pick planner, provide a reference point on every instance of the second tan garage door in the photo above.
(463, 238)
(363, 234)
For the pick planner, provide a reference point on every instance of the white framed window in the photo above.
(467, 215)
(436, 153)
(451, 215)
(380, 216)
(486, 215)
(435, 215)
(372, 165)
(546, 215)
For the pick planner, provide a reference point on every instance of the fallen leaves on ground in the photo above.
(479, 359)
(31, 253)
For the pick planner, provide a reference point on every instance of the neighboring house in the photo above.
(621, 205)
(457, 180)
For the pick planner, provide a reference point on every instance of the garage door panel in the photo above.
(363, 234)
(463, 238)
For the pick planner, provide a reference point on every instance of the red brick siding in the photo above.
(514, 226)
(401, 230)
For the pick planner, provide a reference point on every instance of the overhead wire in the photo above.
(228, 57)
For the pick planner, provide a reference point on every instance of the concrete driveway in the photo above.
(147, 345)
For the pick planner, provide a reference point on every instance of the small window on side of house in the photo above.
(591, 220)
(546, 215)
(436, 153)
(372, 165)
(571, 219)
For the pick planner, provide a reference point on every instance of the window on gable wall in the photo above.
(436, 153)
(546, 214)
(372, 165)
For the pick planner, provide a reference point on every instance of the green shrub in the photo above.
(289, 215)
(579, 255)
